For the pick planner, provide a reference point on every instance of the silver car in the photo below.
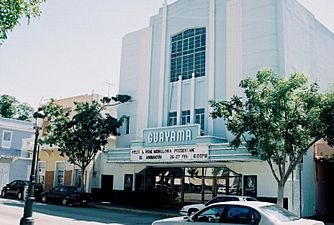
(240, 212)
(188, 210)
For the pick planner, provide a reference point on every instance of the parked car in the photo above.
(240, 212)
(66, 195)
(234, 189)
(190, 209)
(17, 188)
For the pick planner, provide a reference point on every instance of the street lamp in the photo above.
(27, 214)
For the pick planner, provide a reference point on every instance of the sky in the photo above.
(74, 47)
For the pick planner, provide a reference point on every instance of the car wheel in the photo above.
(192, 211)
(43, 199)
(3, 194)
(64, 201)
(20, 195)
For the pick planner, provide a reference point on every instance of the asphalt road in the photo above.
(11, 211)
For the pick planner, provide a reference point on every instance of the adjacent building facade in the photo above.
(193, 52)
(54, 169)
(16, 144)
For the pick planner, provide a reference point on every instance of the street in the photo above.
(11, 211)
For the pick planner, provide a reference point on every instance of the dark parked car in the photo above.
(66, 195)
(17, 188)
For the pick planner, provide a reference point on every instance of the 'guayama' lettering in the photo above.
(169, 136)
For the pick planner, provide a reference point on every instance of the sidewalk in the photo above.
(137, 209)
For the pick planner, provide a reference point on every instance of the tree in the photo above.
(11, 11)
(11, 108)
(7, 106)
(279, 120)
(81, 137)
(24, 111)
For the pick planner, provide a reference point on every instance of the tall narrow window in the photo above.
(77, 177)
(127, 125)
(188, 54)
(6, 139)
(185, 117)
(41, 172)
(199, 118)
(172, 119)
(60, 173)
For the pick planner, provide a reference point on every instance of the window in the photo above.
(172, 119)
(77, 177)
(241, 215)
(212, 214)
(127, 125)
(60, 173)
(199, 118)
(41, 173)
(185, 117)
(279, 213)
(188, 54)
(6, 139)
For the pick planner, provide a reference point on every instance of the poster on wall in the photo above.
(250, 186)
(128, 182)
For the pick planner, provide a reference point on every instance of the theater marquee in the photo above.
(170, 154)
(169, 144)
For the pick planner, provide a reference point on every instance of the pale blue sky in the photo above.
(75, 46)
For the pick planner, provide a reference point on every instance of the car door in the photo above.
(52, 194)
(12, 188)
(237, 215)
(62, 193)
(210, 215)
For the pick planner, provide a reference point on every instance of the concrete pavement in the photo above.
(151, 211)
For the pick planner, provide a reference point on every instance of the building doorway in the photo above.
(107, 185)
(184, 185)
(325, 187)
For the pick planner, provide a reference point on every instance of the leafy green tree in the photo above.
(24, 111)
(279, 120)
(11, 108)
(7, 106)
(82, 136)
(11, 11)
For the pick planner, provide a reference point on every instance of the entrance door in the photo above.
(325, 186)
(4, 174)
(107, 185)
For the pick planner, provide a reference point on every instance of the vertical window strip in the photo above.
(199, 118)
(172, 119)
(127, 125)
(185, 117)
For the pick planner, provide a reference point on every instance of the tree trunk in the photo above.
(82, 183)
(280, 193)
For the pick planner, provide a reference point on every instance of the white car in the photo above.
(240, 212)
(188, 210)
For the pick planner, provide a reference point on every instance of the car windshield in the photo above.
(278, 213)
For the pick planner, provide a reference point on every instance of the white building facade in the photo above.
(193, 52)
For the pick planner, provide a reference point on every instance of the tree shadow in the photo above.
(87, 214)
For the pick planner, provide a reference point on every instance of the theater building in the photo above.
(193, 52)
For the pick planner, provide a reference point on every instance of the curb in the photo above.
(108, 206)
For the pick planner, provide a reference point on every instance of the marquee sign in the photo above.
(171, 136)
(171, 154)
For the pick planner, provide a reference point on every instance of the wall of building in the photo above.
(308, 44)
(134, 81)
(20, 130)
(242, 36)
(20, 169)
